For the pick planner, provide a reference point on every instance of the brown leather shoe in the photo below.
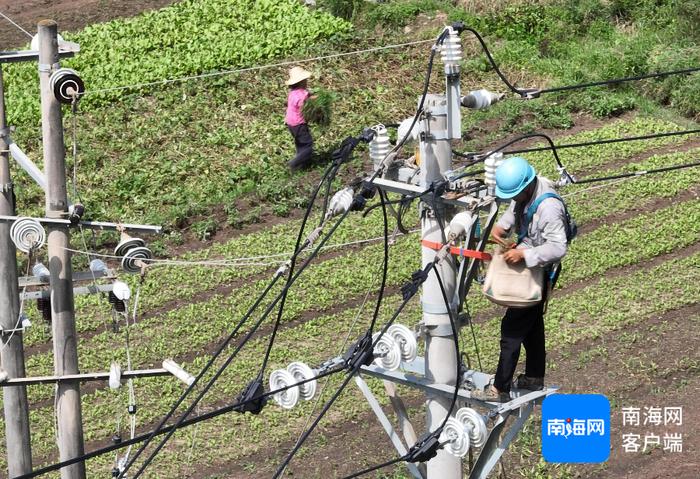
(529, 383)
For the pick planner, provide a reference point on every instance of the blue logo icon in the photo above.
(576, 428)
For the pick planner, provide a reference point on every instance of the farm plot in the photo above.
(620, 271)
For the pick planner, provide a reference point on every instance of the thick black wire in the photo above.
(218, 352)
(385, 266)
(238, 348)
(328, 176)
(189, 422)
(535, 92)
(637, 173)
(421, 103)
(494, 65)
(455, 395)
(619, 80)
(340, 389)
(593, 143)
(481, 159)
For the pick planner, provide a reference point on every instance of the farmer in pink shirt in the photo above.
(294, 119)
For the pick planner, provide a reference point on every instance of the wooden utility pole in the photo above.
(17, 438)
(65, 340)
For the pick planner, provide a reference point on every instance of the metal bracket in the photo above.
(92, 289)
(6, 187)
(386, 424)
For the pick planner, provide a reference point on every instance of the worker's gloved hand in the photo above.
(514, 256)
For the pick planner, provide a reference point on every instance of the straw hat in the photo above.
(296, 75)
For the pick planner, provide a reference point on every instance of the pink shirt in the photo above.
(295, 101)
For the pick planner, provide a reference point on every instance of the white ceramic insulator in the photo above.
(41, 272)
(27, 234)
(176, 370)
(282, 378)
(405, 130)
(115, 376)
(456, 437)
(340, 202)
(98, 266)
(302, 372)
(490, 165)
(406, 340)
(132, 260)
(475, 425)
(380, 146)
(387, 352)
(461, 224)
(451, 51)
(121, 290)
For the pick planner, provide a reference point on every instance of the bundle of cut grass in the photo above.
(317, 109)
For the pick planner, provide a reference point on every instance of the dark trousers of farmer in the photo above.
(304, 144)
(521, 326)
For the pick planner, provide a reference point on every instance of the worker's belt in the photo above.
(467, 253)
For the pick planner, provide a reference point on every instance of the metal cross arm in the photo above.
(408, 189)
(93, 225)
(99, 376)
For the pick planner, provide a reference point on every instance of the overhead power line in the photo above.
(16, 25)
(254, 68)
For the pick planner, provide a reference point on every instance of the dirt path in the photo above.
(71, 15)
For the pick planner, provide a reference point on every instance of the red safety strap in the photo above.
(467, 253)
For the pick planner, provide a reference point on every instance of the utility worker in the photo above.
(543, 242)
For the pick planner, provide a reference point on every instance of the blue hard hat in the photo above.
(513, 176)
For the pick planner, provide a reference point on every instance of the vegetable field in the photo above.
(206, 159)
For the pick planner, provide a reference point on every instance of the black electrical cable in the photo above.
(385, 266)
(533, 93)
(189, 422)
(350, 374)
(521, 92)
(614, 81)
(482, 158)
(595, 142)
(220, 349)
(328, 177)
(455, 395)
(238, 348)
(421, 103)
(637, 173)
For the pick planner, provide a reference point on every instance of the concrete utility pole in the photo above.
(17, 437)
(440, 354)
(65, 340)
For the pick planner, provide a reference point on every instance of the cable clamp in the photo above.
(6, 187)
(251, 398)
(284, 267)
(426, 448)
(409, 289)
(360, 353)
(529, 93)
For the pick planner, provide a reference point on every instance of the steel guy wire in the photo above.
(255, 68)
(16, 25)
(232, 355)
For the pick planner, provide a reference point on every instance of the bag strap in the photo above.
(531, 213)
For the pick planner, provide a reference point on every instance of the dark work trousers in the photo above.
(521, 326)
(304, 144)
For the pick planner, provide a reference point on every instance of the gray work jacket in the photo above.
(545, 242)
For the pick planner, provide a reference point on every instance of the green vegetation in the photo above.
(204, 155)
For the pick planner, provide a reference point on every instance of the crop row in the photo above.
(156, 45)
(589, 312)
(169, 283)
(200, 323)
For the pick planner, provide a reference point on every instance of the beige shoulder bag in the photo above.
(515, 286)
